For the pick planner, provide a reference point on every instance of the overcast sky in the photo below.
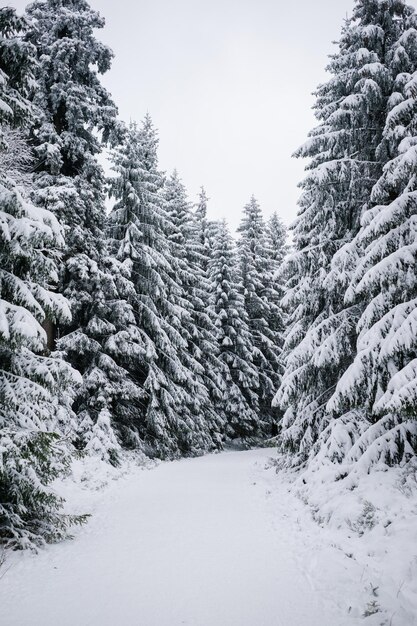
(228, 84)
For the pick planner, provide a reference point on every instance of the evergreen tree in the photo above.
(78, 115)
(234, 338)
(276, 234)
(380, 385)
(202, 229)
(35, 402)
(344, 166)
(261, 299)
(201, 355)
(172, 422)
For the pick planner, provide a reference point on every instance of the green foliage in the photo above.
(30, 510)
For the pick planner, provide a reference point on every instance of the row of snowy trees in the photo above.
(143, 329)
(349, 391)
(147, 328)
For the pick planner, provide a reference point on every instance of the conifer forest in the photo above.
(142, 340)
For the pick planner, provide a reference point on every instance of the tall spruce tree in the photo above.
(234, 339)
(276, 234)
(262, 306)
(78, 115)
(380, 385)
(202, 231)
(277, 249)
(35, 398)
(191, 256)
(344, 166)
(140, 228)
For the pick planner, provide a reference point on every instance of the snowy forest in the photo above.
(132, 323)
(143, 328)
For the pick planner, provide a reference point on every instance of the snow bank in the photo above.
(372, 519)
(90, 476)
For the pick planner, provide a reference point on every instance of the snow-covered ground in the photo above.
(213, 541)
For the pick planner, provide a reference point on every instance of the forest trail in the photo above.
(197, 542)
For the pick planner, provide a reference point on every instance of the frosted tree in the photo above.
(262, 305)
(140, 228)
(78, 115)
(204, 231)
(234, 339)
(111, 398)
(35, 398)
(202, 227)
(276, 234)
(380, 385)
(344, 166)
(277, 249)
(191, 262)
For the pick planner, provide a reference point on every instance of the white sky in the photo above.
(228, 83)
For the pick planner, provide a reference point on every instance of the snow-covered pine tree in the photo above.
(139, 228)
(277, 248)
(202, 230)
(198, 328)
(276, 234)
(35, 399)
(262, 306)
(78, 115)
(344, 166)
(234, 338)
(380, 385)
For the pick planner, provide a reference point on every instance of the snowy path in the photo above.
(193, 542)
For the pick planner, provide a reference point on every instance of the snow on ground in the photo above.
(214, 541)
(372, 519)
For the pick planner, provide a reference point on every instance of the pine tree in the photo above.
(277, 249)
(78, 115)
(35, 401)
(140, 229)
(344, 166)
(380, 385)
(202, 229)
(234, 338)
(261, 300)
(201, 355)
(276, 234)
